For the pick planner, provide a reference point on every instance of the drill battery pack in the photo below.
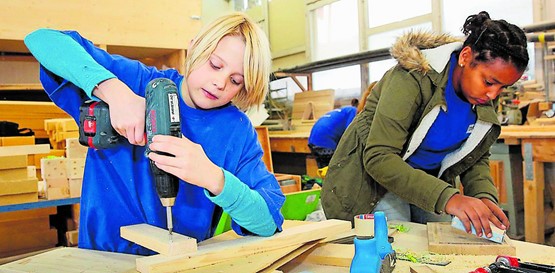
(95, 127)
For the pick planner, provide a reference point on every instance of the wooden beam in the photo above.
(157, 239)
(24, 150)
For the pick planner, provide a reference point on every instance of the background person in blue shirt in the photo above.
(328, 129)
(218, 159)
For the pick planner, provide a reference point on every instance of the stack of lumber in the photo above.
(31, 114)
(26, 231)
(63, 177)
(18, 180)
(59, 130)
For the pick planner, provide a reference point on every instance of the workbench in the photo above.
(81, 260)
(538, 147)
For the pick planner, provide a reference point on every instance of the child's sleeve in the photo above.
(245, 206)
(63, 56)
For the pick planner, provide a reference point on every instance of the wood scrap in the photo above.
(444, 239)
(244, 246)
(157, 239)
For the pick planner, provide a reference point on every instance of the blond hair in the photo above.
(256, 62)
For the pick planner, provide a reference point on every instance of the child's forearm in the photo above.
(66, 58)
(245, 206)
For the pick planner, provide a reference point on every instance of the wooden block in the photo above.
(31, 172)
(72, 237)
(75, 167)
(157, 239)
(18, 198)
(60, 124)
(53, 168)
(14, 174)
(35, 159)
(444, 239)
(57, 193)
(58, 182)
(75, 186)
(10, 187)
(76, 214)
(74, 149)
(17, 140)
(244, 246)
(13, 162)
(24, 149)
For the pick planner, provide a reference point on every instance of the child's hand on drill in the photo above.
(190, 163)
(127, 110)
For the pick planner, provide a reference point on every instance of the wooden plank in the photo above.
(24, 149)
(444, 239)
(497, 171)
(534, 203)
(13, 161)
(19, 198)
(251, 263)
(27, 185)
(243, 246)
(332, 254)
(290, 255)
(264, 139)
(72, 259)
(157, 239)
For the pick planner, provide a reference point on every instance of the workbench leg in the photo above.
(534, 230)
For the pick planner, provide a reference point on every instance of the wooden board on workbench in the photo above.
(444, 239)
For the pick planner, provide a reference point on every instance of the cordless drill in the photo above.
(162, 118)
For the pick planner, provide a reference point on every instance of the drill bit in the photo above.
(170, 222)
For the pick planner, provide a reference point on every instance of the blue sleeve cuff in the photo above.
(245, 206)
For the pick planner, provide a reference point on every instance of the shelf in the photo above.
(40, 204)
(15, 87)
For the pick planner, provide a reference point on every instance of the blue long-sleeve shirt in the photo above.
(118, 188)
(329, 128)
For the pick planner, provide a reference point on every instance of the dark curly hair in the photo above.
(491, 39)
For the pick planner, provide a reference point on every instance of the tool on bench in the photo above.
(162, 118)
(374, 254)
(511, 264)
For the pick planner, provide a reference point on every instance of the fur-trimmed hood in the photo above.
(423, 51)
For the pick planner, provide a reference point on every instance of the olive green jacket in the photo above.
(370, 157)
